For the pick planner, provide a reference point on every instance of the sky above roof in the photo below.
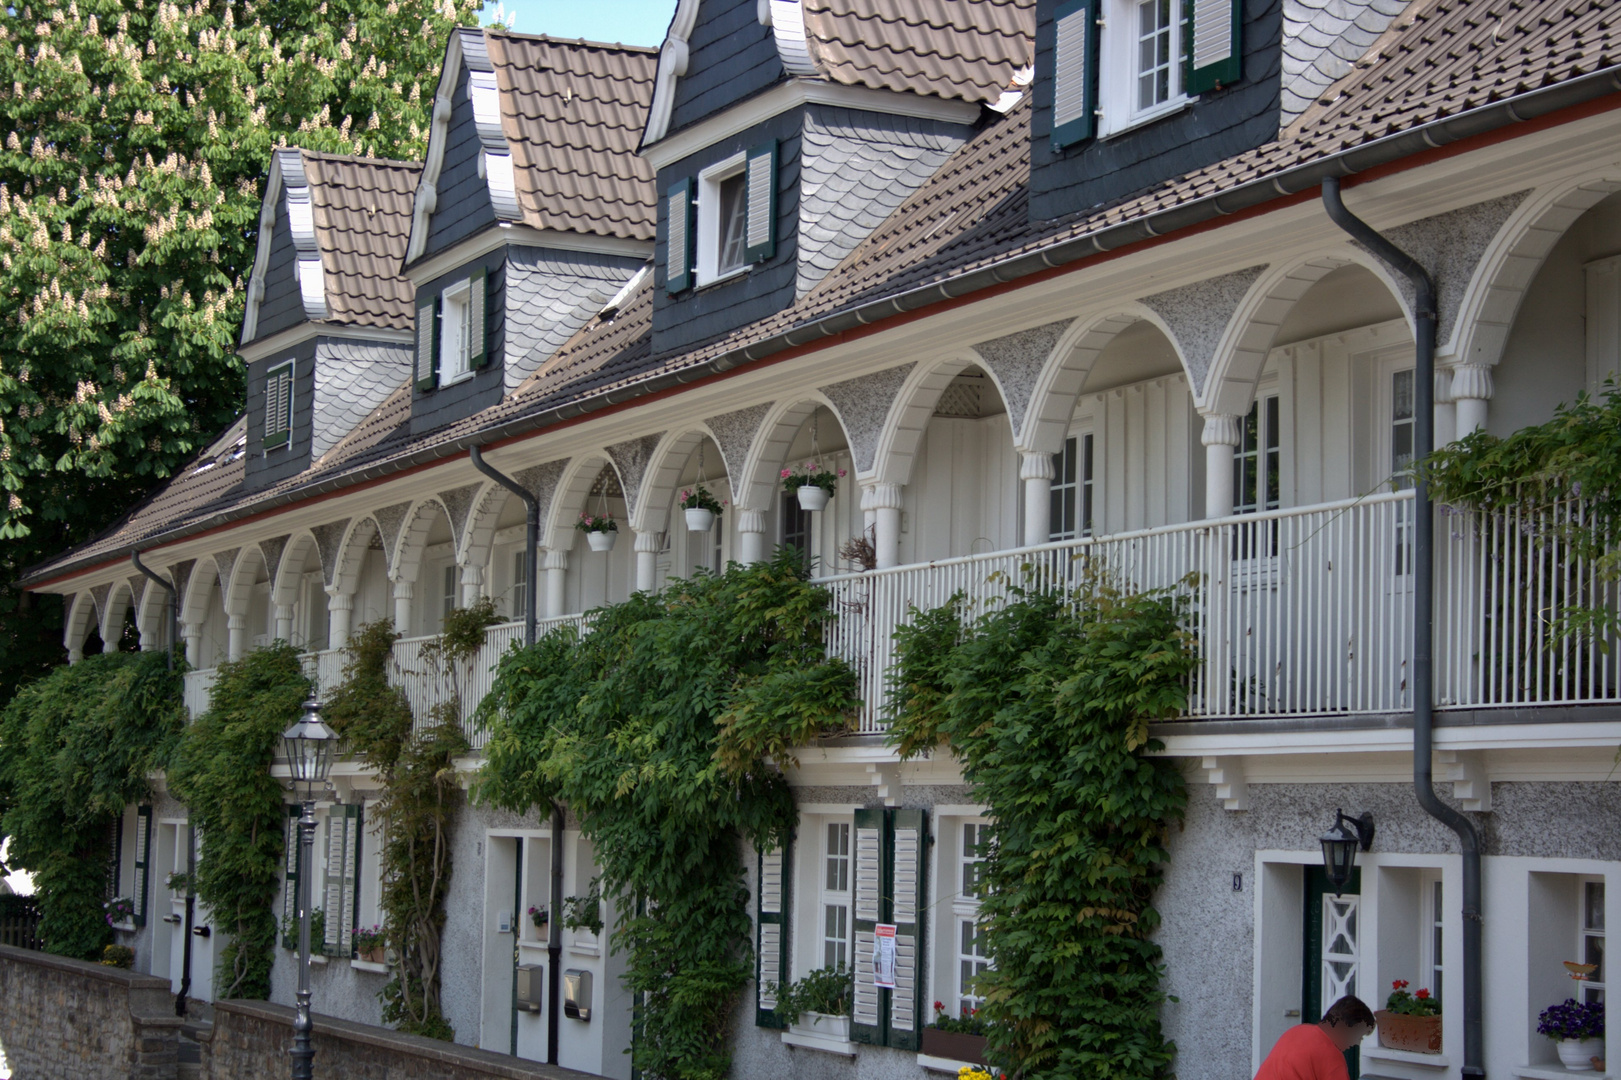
(630, 22)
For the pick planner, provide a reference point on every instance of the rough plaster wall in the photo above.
(1017, 360)
(863, 405)
(181, 572)
(734, 432)
(272, 550)
(351, 379)
(458, 503)
(336, 989)
(389, 519)
(1198, 314)
(631, 459)
(225, 561)
(541, 482)
(99, 594)
(854, 173)
(549, 296)
(1322, 39)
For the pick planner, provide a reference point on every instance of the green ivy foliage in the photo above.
(1046, 704)
(76, 747)
(221, 770)
(653, 728)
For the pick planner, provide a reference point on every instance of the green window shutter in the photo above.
(294, 864)
(760, 203)
(1075, 77)
(115, 853)
(772, 911)
(1212, 39)
(278, 406)
(353, 817)
(678, 234)
(478, 318)
(907, 852)
(428, 345)
(332, 903)
(868, 1020)
(143, 860)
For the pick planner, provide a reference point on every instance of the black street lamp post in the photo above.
(309, 745)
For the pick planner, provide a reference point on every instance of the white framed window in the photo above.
(973, 952)
(448, 595)
(835, 898)
(520, 583)
(1072, 490)
(1141, 63)
(1257, 459)
(1590, 939)
(722, 219)
(1432, 951)
(455, 333)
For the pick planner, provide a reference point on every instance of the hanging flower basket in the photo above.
(600, 529)
(601, 541)
(813, 484)
(701, 508)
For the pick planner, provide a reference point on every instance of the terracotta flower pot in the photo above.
(954, 1046)
(1414, 1034)
(377, 954)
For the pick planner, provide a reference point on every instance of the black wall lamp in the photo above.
(1340, 845)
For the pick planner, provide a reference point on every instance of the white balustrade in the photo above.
(199, 684)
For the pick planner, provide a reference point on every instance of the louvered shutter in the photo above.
(760, 203)
(1075, 81)
(428, 345)
(867, 1020)
(478, 313)
(278, 406)
(772, 911)
(1213, 38)
(143, 859)
(352, 817)
(293, 864)
(678, 248)
(908, 851)
(332, 904)
(115, 856)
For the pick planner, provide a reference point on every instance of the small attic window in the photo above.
(722, 217)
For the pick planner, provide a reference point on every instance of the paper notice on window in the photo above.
(883, 956)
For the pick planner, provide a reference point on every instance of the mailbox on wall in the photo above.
(577, 994)
(531, 984)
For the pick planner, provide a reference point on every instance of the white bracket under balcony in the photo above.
(886, 781)
(1227, 777)
(1465, 770)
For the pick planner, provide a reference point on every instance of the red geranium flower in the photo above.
(1422, 994)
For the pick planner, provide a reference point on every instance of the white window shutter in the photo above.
(478, 328)
(1075, 72)
(333, 904)
(908, 845)
(427, 373)
(867, 1011)
(678, 248)
(351, 879)
(289, 896)
(1214, 43)
(143, 858)
(771, 916)
(760, 204)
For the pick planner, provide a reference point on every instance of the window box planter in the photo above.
(377, 955)
(601, 540)
(954, 1046)
(821, 1031)
(1577, 1054)
(1414, 1034)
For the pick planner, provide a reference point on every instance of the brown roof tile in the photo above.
(573, 113)
(362, 210)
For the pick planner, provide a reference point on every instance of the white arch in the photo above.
(913, 406)
(76, 627)
(768, 452)
(238, 590)
(664, 470)
(1229, 386)
(478, 535)
(1511, 261)
(290, 571)
(570, 498)
(199, 592)
(152, 614)
(405, 561)
(119, 599)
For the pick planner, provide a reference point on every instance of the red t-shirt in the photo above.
(1305, 1052)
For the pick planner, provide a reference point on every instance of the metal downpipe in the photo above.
(1424, 317)
(168, 587)
(554, 933)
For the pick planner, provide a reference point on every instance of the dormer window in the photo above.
(724, 222)
(1141, 60)
(722, 216)
(455, 341)
(278, 406)
(452, 331)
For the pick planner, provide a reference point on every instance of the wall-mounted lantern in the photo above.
(1340, 845)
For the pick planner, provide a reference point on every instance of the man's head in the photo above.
(1348, 1021)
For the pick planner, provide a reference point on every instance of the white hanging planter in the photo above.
(813, 498)
(1577, 1054)
(601, 540)
(699, 519)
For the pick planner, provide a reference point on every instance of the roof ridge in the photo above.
(359, 159)
(616, 46)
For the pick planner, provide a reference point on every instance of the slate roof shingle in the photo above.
(362, 211)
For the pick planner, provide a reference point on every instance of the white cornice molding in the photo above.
(521, 236)
(296, 335)
(794, 93)
(673, 56)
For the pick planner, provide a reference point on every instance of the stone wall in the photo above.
(250, 1040)
(64, 1019)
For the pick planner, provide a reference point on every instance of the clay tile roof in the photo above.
(942, 48)
(573, 113)
(362, 210)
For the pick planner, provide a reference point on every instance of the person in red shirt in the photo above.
(1317, 1051)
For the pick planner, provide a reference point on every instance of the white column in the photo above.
(193, 633)
(284, 622)
(340, 606)
(1471, 389)
(472, 585)
(883, 501)
(555, 563)
(75, 654)
(647, 553)
(1036, 470)
(403, 593)
(1219, 438)
(1445, 413)
(236, 639)
(751, 536)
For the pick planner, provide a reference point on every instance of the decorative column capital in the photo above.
(647, 542)
(472, 574)
(286, 611)
(1443, 386)
(554, 559)
(340, 601)
(750, 521)
(404, 590)
(1034, 465)
(191, 631)
(236, 622)
(1472, 381)
(880, 495)
(1220, 429)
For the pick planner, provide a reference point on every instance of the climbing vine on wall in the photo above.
(76, 747)
(653, 728)
(1046, 704)
(221, 771)
(420, 797)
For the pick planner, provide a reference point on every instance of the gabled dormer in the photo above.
(327, 329)
(785, 131)
(533, 210)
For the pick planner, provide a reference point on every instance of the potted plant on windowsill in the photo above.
(700, 507)
(121, 913)
(813, 485)
(818, 1004)
(371, 945)
(600, 530)
(541, 920)
(1410, 1021)
(1578, 1027)
(955, 1038)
